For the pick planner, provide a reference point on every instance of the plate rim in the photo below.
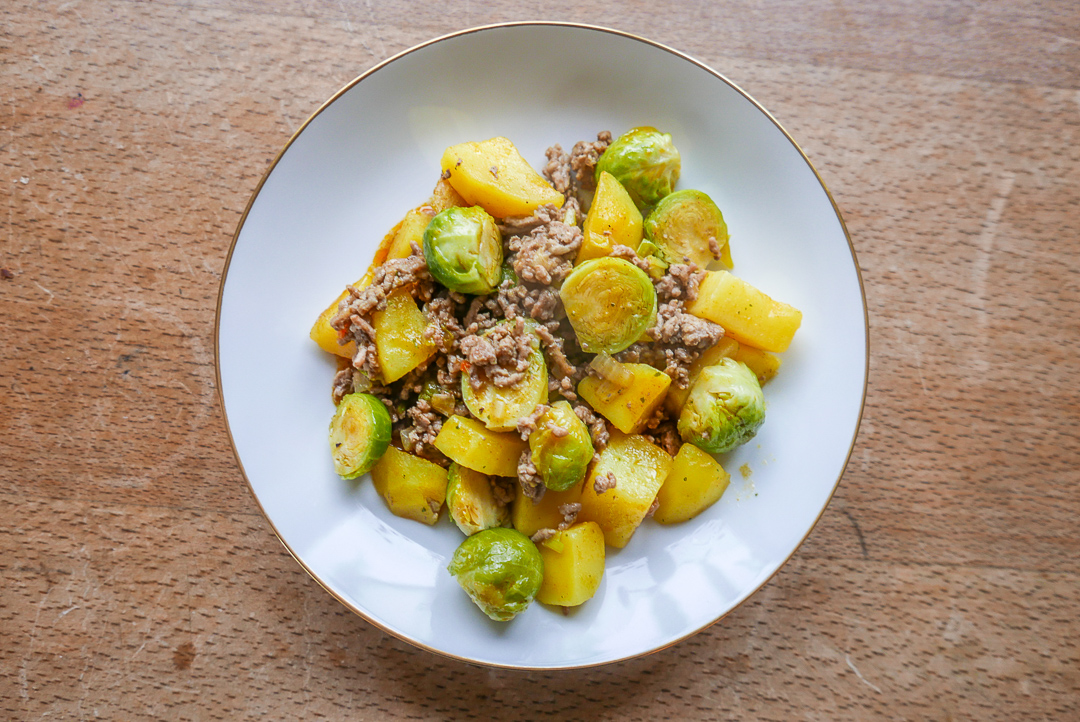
(356, 81)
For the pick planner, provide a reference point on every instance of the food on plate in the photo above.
(724, 409)
(500, 570)
(646, 163)
(553, 357)
(686, 226)
(610, 303)
(472, 501)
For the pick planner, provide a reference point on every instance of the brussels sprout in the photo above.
(610, 303)
(471, 502)
(501, 407)
(725, 408)
(500, 569)
(682, 225)
(561, 460)
(359, 434)
(463, 250)
(645, 161)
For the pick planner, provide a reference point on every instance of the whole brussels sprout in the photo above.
(610, 303)
(645, 161)
(359, 434)
(725, 408)
(463, 250)
(500, 569)
(682, 225)
(561, 460)
(471, 502)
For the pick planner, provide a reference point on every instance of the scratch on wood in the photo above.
(858, 533)
(868, 683)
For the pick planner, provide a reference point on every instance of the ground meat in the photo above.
(441, 313)
(666, 436)
(502, 490)
(343, 384)
(604, 482)
(629, 254)
(527, 424)
(715, 248)
(597, 426)
(426, 424)
(542, 535)
(558, 170)
(529, 478)
(569, 514)
(584, 156)
(546, 254)
(500, 357)
(542, 304)
(653, 507)
(681, 281)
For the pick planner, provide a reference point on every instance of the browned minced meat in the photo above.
(604, 482)
(354, 312)
(569, 514)
(665, 435)
(584, 156)
(558, 170)
(419, 438)
(529, 478)
(681, 281)
(597, 426)
(653, 507)
(542, 535)
(501, 356)
(502, 490)
(343, 384)
(526, 425)
(546, 254)
(715, 248)
(629, 254)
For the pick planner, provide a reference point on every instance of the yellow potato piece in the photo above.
(412, 487)
(629, 407)
(747, 314)
(399, 336)
(493, 175)
(471, 444)
(613, 219)
(529, 517)
(326, 336)
(640, 468)
(573, 565)
(696, 482)
(764, 365)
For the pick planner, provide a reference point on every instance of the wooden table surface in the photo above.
(141, 582)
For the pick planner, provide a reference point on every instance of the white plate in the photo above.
(370, 154)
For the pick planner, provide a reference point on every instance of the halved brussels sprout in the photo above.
(645, 161)
(500, 569)
(499, 408)
(725, 408)
(359, 434)
(610, 303)
(463, 250)
(471, 502)
(682, 225)
(561, 458)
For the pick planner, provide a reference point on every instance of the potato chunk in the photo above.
(747, 314)
(639, 468)
(627, 407)
(696, 482)
(399, 336)
(613, 219)
(573, 565)
(529, 517)
(470, 444)
(493, 175)
(412, 487)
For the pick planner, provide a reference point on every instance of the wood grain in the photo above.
(140, 580)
